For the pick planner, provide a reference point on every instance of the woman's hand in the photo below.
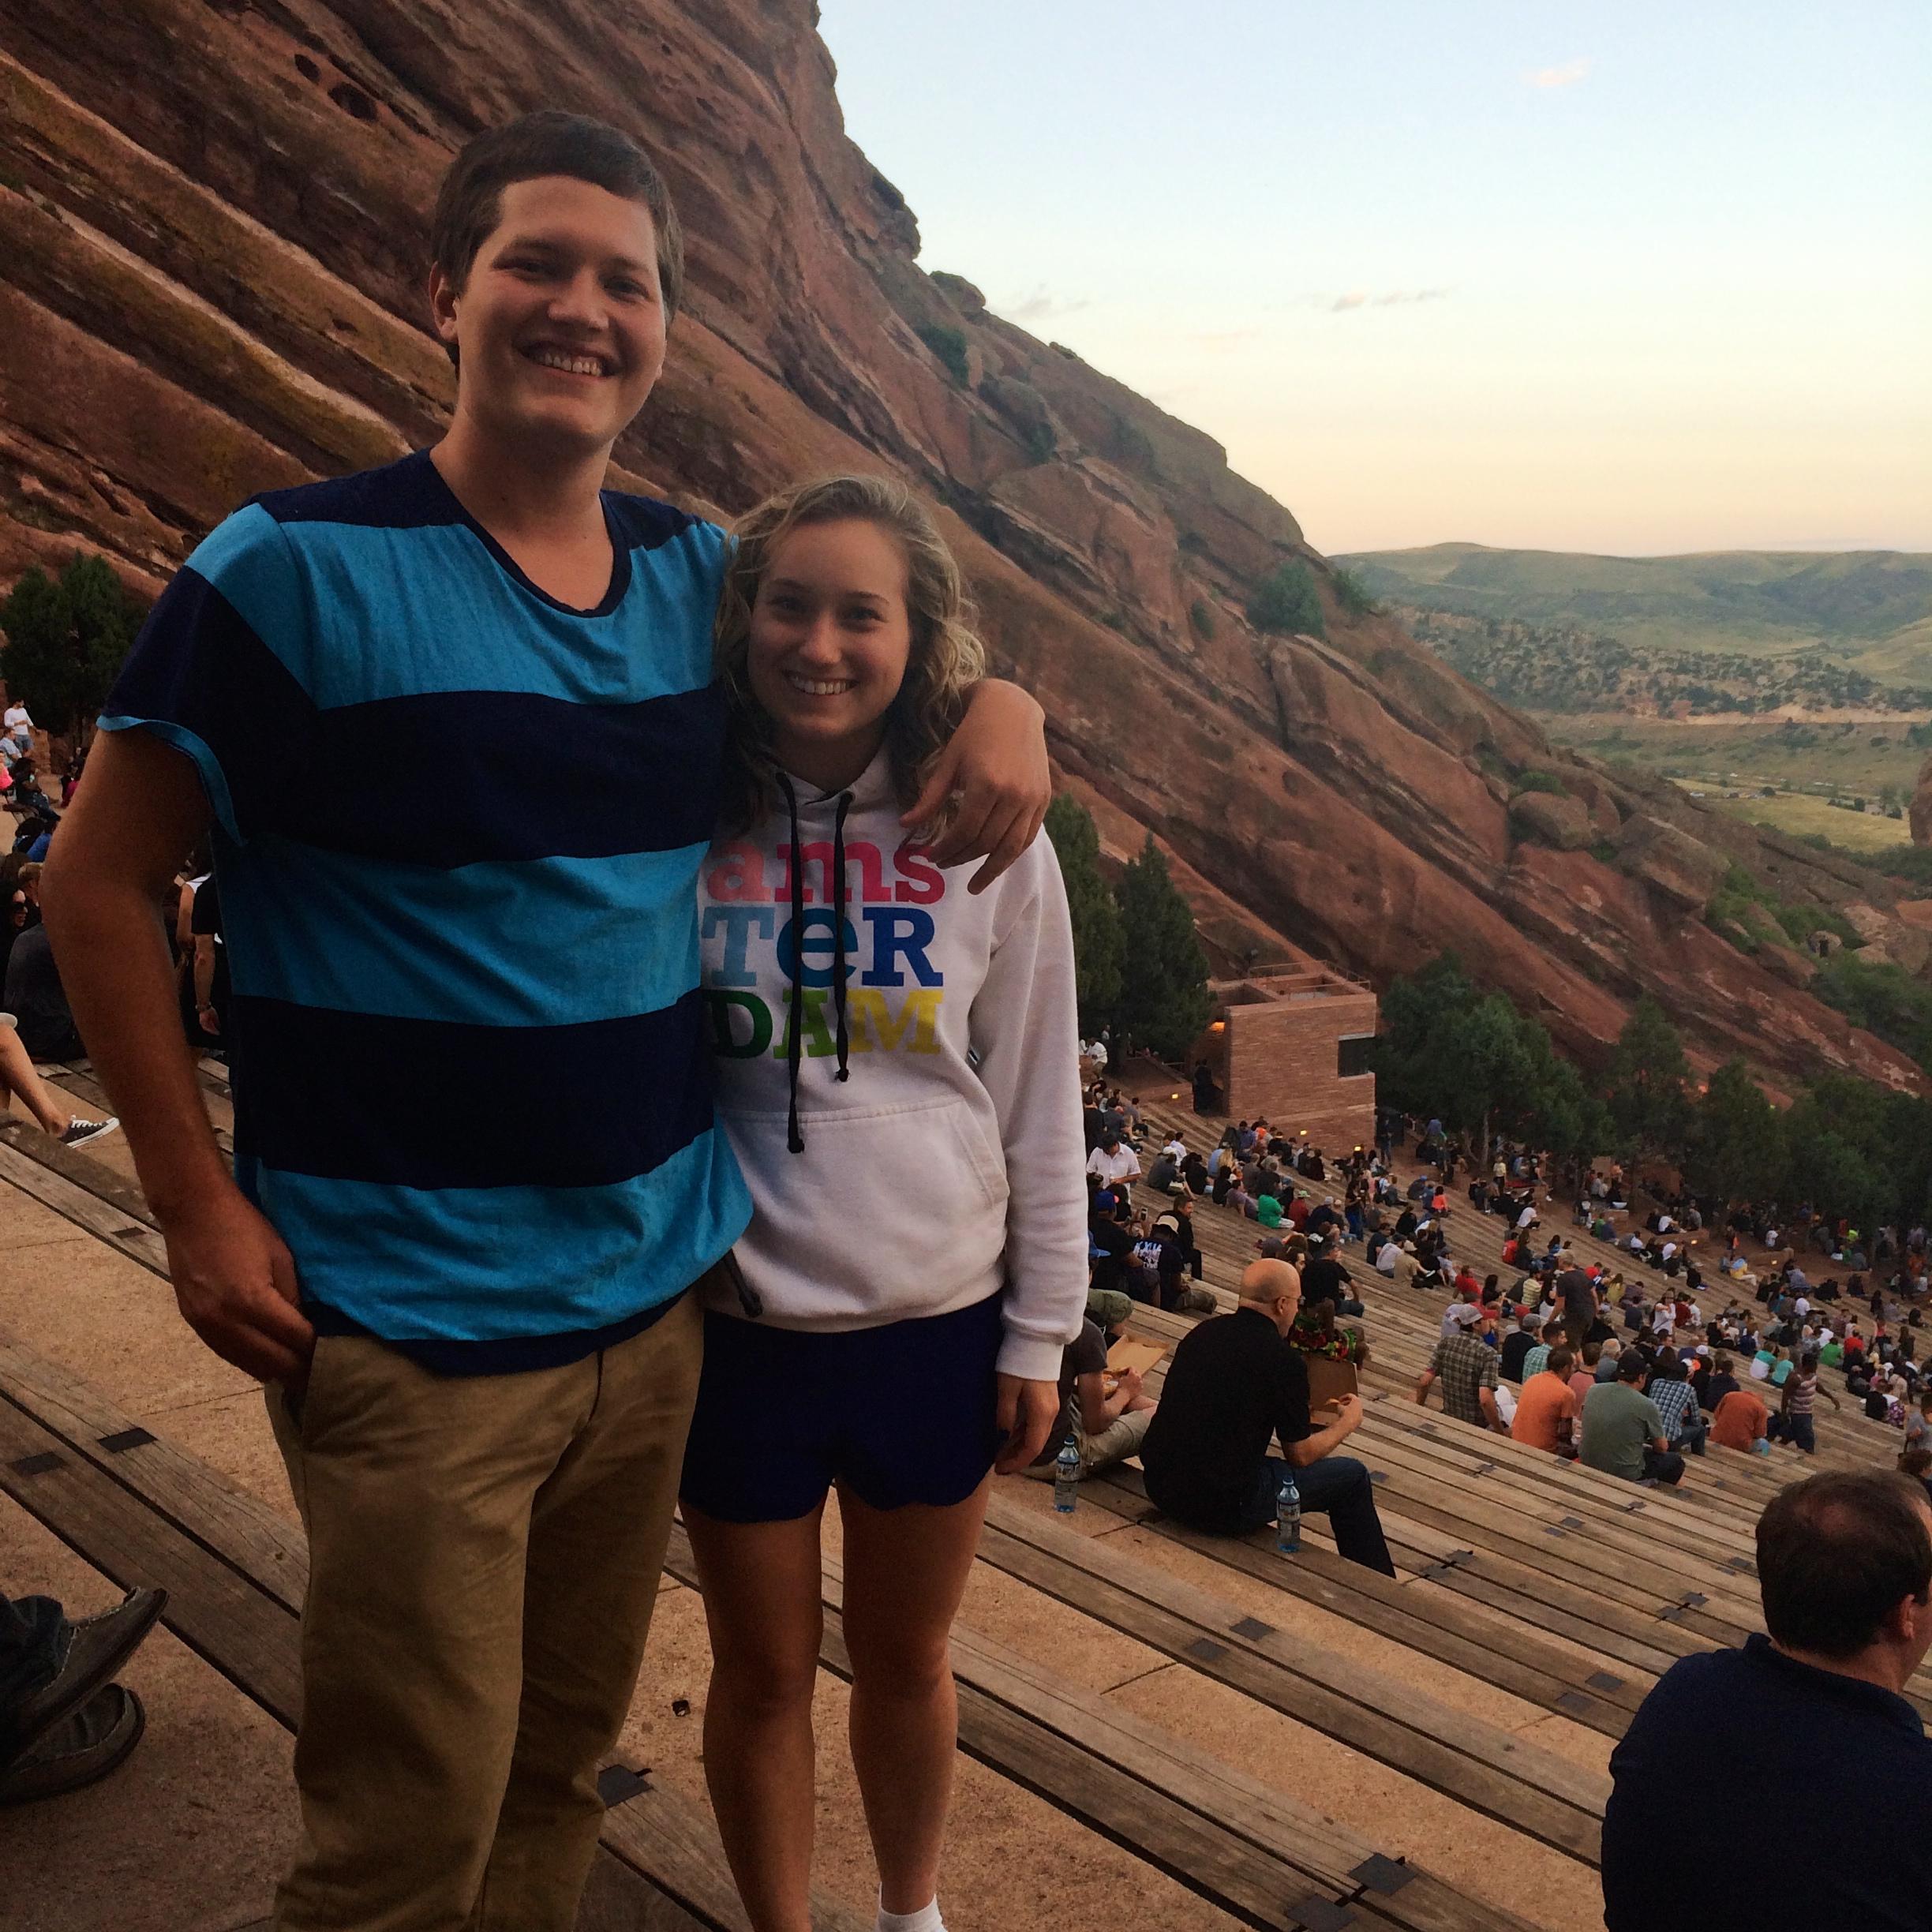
(996, 761)
(1027, 1411)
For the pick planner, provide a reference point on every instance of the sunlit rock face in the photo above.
(213, 220)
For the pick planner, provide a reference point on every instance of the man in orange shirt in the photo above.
(1546, 1411)
(1741, 1421)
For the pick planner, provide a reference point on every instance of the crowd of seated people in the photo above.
(1629, 1369)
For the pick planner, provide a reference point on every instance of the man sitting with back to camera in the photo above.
(1233, 1383)
(1812, 1715)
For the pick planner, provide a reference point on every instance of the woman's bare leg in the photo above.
(760, 1583)
(905, 1572)
(17, 1075)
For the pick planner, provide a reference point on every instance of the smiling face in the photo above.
(830, 639)
(559, 325)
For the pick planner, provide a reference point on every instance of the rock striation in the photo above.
(213, 218)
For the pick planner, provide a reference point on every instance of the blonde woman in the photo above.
(898, 1074)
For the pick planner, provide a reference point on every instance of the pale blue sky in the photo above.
(1629, 278)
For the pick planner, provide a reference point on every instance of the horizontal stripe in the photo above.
(530, 942)
(426, 1104)
(498, 1354)
(383, 586)
(470, 1264)
(199, 673)
(616, 778)
(411, 493)
(208, 766)
(403, 613)
(248, 559)
(358, 612)
(612, 778)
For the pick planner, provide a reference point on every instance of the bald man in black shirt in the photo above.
(1234, 1383)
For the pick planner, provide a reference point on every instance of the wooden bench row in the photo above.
(1272, 1864)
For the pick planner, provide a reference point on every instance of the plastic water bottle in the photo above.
(1066, 1476)
(1288, 1515)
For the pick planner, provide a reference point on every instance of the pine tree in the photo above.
(1164, 1000)
(1647, 1071)
(1736, 1148)
(67, 640)
(1096, 918)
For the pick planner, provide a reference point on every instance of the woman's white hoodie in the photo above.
(948, 1158)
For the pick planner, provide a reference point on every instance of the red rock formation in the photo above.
(212, 217)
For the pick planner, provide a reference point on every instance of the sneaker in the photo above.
(79, 1751)
(93, 1650)
(81, 1131)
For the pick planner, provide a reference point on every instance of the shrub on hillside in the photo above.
(1286, 602)
(949, 345)
(1882, 997)
(1913, 863)
(1352, 594)
(1541, 781)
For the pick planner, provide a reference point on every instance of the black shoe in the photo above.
(97, 1647)
(79, 1751)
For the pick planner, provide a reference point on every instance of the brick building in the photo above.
(1293, 1046)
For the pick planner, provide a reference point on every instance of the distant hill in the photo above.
(1869, 611)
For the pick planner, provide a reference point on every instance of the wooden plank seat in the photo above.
(1222, 1832)
(143, 1510)
(1480, 1766)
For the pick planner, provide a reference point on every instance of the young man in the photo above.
(480, 1350)
(1116, 1164)
(1106, 1426)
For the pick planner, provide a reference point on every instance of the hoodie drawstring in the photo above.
(838, 932)
(795, 1044)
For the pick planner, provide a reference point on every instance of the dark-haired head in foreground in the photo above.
(1813, 1715)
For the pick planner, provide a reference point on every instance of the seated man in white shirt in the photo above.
(1116, 1164)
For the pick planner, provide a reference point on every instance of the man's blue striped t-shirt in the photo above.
(458, 830)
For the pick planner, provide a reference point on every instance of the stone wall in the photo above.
(1277, 1057)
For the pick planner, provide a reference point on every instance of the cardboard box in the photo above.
(1133, 1351)
(1328, 1380)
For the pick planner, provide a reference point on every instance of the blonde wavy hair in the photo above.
(946, 660)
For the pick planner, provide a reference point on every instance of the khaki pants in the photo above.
(1121, 1439)
(484, 1555)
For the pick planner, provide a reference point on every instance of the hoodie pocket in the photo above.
(984, 1161)
(885, 1213)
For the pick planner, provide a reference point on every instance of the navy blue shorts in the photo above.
(902, 1413)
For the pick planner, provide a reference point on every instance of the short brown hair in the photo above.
(1837, 1553)
(470, 203)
